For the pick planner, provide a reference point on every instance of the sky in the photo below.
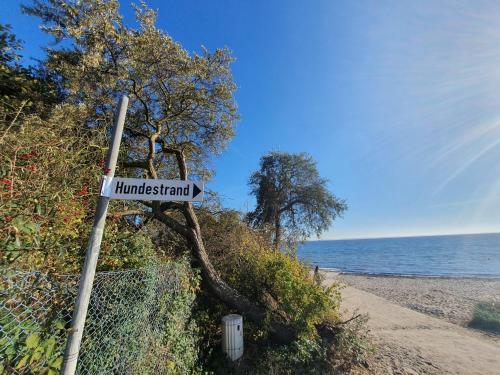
(398, 101)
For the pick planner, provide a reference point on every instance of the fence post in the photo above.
(89, 267)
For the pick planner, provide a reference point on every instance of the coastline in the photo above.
(449, 298)
(411, 276)
(407, 236)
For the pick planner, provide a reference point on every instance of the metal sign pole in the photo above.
(89, 267)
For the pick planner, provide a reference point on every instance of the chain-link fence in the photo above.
(126, 327)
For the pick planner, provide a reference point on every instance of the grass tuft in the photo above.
(486, 317)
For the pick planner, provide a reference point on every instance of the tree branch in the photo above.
(134, 164)
(13, 120)
(349, 320)
(171, 223)
(132, 213)
(164, 206)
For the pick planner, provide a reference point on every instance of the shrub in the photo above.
(139, 321)
(486, 317)
(351, 346)
(306, 355)
(49, 177)
(278, 281)
(31, 346)
(285, 286)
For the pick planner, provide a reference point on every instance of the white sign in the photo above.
(154, 190)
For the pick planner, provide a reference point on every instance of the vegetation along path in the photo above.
(410, 342)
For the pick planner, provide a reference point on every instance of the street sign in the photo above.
(152, 190)
(116, 188)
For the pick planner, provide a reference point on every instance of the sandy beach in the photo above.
(419, 325)
(451, 299)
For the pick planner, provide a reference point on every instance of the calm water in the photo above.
(475, 255)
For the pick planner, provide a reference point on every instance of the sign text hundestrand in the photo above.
(154, 190)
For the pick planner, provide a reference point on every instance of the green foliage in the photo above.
(178, 101)
(51, 163)
(49, 177)
(276, 280)
(9, 46)
(486, 317)
(180, 331)
(14, 79)
(350, 346)
(288, 282)
(208, 313)
(22, 89)
(282, 284)
(292, 198)
(31, 347)
(181, 104)
(150, 331)
(124, 247)
(139, 321)
(306, 355)
(50, 168)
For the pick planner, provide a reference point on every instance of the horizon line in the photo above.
(402, 236)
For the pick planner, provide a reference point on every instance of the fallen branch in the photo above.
(349, 320)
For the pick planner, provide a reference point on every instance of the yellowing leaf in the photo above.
(56, 363)
(32, 341)
(22, 362)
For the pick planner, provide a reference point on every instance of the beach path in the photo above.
(414, 343)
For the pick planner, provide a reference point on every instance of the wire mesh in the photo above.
(124, 329)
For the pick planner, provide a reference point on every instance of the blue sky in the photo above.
(398, 101)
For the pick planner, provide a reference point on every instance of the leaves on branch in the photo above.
(292, 198)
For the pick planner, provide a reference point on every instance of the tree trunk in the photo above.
(280, 331)
(277, 231)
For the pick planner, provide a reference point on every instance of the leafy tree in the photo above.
(45, 215)
(9, 45)
(22, 89)
(181, 112)
(11, 73)
(292, 198)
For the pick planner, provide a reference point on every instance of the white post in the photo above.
(89, 267)
(232, 339)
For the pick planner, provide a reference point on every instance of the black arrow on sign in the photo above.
(196, 190)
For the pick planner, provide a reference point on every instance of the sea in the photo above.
(467, 255)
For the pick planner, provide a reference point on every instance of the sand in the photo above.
(451, 299)
(417, 324)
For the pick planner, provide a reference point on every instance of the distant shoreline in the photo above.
(473, 256)
(405, 236)
(409, 276)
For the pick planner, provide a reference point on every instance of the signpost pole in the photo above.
(89, 267)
